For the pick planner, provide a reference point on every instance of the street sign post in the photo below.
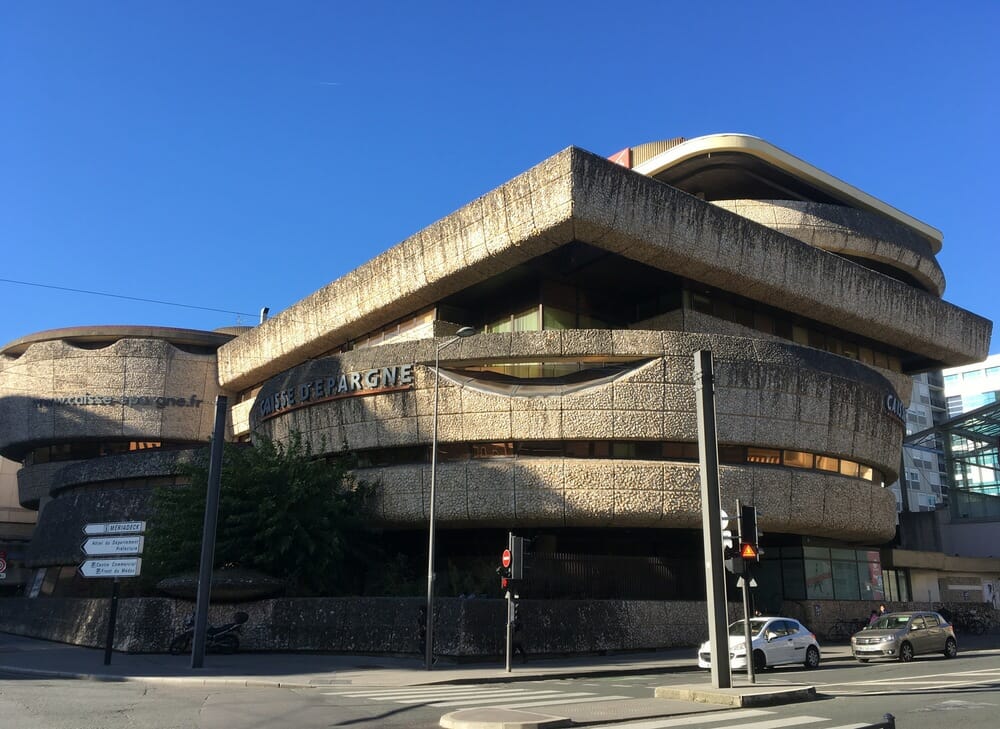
(505, 558)
(127, 567)
(113, 546)
(116, 527)
(104, 539)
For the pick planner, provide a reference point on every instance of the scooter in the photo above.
(222, 639)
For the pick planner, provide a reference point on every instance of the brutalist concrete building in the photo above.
(569, 416)
(98, 417)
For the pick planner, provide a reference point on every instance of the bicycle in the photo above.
(843, 629)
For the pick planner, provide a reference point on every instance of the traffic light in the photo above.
(515, 618)
(734, 563)
(504, 573)
(517, 556)
(749, 547)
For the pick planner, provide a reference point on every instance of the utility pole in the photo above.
(711, 518)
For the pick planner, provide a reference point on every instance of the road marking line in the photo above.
(486, 700)
(508, 694)
(777, 723)
(688, 720)
(411, 691)
(560, 700)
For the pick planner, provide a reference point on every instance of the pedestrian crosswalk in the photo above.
(457, 697)
(506, 696)
(732, 718)
(926, 683)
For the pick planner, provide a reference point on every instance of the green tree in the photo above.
(282, 512)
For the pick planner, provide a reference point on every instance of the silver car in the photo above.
(904, 635)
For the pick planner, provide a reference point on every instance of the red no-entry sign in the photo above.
(505, 558)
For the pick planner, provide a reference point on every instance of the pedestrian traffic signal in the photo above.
(749, 551)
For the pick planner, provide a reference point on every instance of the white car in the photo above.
(776, 642)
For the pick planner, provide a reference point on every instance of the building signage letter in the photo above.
(895, 407)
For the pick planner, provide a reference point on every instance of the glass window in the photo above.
(701, 303)
(793, 579)
(972, 375)
(797, 459)
(880, 360)
(732, 454)
(848, 468)
(763, 455)
(623, 450)
(577, 449)
(867, 473)
(825, 463)
(527, 320)
(498, 326)
(990, 372)
(544, 448)
(865, 355)
(647, 450)
(492, 450)
(870, 579)
(954, 378)
(819, 579)
(765, 323)
(555, 318)
(845, 580)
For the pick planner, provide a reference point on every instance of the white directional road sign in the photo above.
(108, 546)
(115, 527)
(127, 567)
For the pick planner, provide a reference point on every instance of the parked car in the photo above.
(904, 635)
(776, 641)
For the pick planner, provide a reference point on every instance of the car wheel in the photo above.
(863, 660)
(759, 661)
(950, 648)
(906, 653)
(812, 657)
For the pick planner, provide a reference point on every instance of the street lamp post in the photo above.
(429, 647)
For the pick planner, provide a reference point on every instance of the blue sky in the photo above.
(238, 155)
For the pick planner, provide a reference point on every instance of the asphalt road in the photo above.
(926, 694)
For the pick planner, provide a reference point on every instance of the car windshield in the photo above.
(736, 628)
(890, 622)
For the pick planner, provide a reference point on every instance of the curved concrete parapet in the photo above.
(558, 492)
(55, 391)
(769, 394)
(33, 482)
(125, 467)
(847, 231)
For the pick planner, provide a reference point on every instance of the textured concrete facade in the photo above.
(69, 395)
(773, 394)
(817, 308)
(578, 196)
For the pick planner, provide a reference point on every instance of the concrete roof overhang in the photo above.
(578, 196)
(734, 161)
(108, 334)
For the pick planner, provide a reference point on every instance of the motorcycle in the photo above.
(221, 639)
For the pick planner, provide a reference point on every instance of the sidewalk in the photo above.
(38, 658)
(27, 656)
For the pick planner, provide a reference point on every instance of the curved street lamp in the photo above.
(429, 647)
